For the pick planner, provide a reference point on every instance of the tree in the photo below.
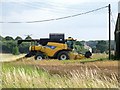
(18, 38)
(102, 46)
(1, 38)
(94, 49)
(8, 45)
(15, 51)
(8, 38)
(28, 38)
(24, 48)
(78, 43)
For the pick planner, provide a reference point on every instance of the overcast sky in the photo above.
(92, 26)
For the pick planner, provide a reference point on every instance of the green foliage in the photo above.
(78, 43)
(113, 57)
(102, 46)
(79, 48)
(8, 38)
(24, 47)
(7, 46)
(18, 38)
(1, 38)
(15, 51)
(28, 38)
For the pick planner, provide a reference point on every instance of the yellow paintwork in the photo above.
(49, 51)
(59, 46)
(76, 56)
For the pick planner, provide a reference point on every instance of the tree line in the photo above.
(9, 45)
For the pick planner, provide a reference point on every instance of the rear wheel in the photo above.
(88, 54)
(63, 55)
(39, 56)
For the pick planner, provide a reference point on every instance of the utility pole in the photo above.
(109, 9)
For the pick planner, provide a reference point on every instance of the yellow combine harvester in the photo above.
(55, 47)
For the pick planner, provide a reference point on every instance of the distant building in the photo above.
(117, 34)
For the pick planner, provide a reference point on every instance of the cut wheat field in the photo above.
(29, 73)
(9, 57)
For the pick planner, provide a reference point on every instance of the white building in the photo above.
(87, 47)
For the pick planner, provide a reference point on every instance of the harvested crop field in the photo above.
(9, 57)
(62, 67)
(83, 73)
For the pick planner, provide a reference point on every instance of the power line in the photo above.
(50, 6)
(39, 7)
(53, 5)
(65, 17)
(112, 18)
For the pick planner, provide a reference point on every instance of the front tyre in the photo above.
(39, 56)
(63, 55)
